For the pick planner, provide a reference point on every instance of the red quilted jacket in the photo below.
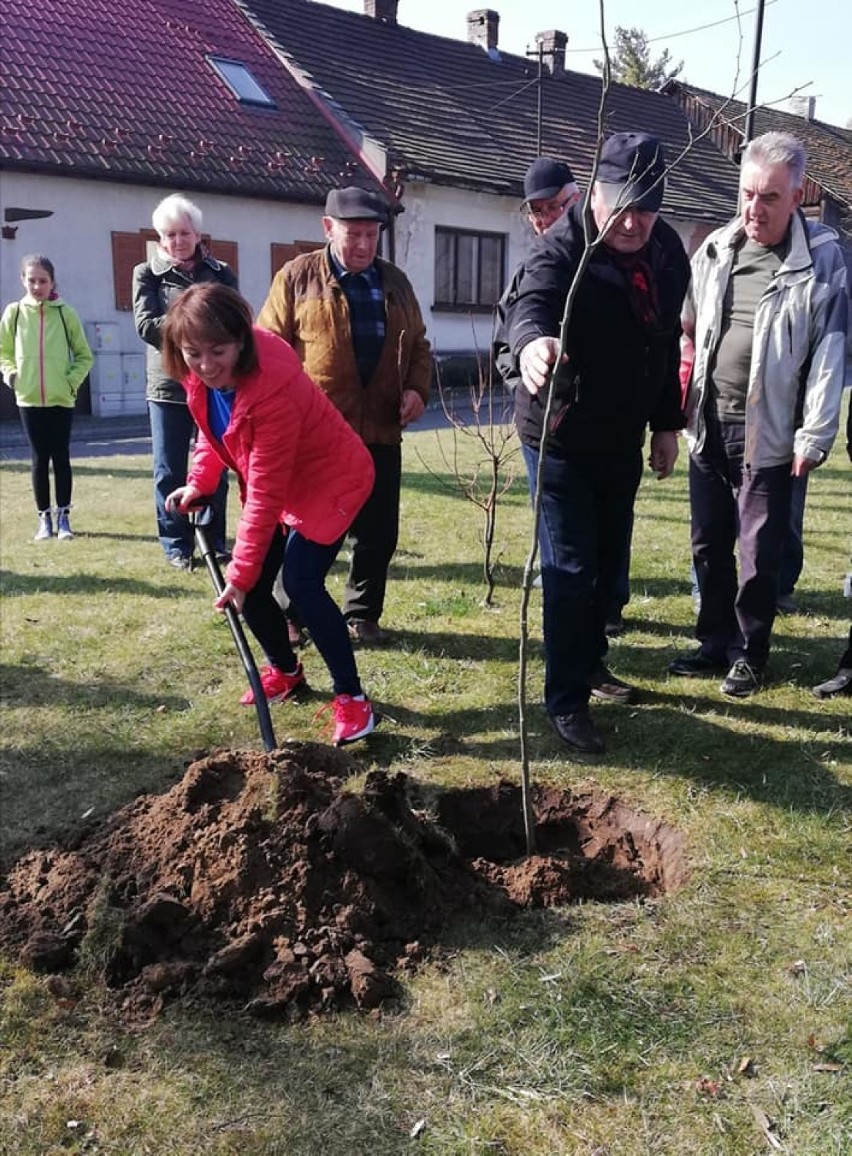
(297, 460)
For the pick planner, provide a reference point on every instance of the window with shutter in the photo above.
(280, 254)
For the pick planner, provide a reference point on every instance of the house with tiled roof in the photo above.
(828, 185)
(452, 124)
(256, 107)
(108, 106)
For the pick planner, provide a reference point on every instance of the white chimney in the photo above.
(803, 106)
(382, 10)
(482, 27)
(552, 44)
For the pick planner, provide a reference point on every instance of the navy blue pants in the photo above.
(733, 507)
(172, 429)
(584, 533)
(304, 566)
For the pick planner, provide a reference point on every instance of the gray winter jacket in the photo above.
(155, 285)
(798, 358)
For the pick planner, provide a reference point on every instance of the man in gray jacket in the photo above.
(764, 328)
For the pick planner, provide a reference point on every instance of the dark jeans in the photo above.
(586, 518)
(172, 429)
(373, 537)
(793, 551)
(48, 430)
(305, 566)
(749, 509)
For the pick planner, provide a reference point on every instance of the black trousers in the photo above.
(48, 430)
(747, 509)
(373, 537)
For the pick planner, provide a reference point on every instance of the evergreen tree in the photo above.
(630, 61)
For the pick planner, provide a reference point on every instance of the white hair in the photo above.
(777, 148)
(173, 209)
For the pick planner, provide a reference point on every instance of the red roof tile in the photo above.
(121, 89)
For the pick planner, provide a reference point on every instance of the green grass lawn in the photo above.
(713, 1020)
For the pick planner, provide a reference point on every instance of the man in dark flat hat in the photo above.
(355, 323)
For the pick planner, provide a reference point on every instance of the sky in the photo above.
(806, 44)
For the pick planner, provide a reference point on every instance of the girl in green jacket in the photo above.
(44, 357)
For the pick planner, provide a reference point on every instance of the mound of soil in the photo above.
(260, 878)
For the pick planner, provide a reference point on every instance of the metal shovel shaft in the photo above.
(246, 657)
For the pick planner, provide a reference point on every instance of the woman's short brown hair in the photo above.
(208, 312)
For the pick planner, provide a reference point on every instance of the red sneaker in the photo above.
(353, 718)
(276, 684)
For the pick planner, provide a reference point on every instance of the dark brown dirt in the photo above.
(260, 878)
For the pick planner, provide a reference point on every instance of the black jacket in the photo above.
(155, 285)
(622, 372)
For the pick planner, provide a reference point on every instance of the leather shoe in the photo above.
(840, 684)
(578, 732)
(604, 685)
(367, 633)
(697, 663)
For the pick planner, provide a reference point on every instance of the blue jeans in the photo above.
(586, 520)
(172, 429)
(305, 566)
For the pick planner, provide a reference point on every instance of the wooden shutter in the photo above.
(226, 251)
(128, 249)
(281, 254)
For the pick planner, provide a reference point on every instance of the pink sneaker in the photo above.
(276, 684)
(353, 718)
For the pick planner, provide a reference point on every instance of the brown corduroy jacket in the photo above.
(307, 307)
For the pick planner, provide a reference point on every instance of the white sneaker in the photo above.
(63, 523)
(45, 526)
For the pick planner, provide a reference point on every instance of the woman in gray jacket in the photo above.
(181, 260)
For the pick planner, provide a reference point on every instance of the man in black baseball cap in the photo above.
(549, 189)
(618, 374)
(354, 321)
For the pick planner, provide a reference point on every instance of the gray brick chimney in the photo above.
(382, 10)
(803, 106)
(482, 26)
(553, 44)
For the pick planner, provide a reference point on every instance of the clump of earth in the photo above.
(263, 878)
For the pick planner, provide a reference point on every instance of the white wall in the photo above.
(85, 212)
(429, 205)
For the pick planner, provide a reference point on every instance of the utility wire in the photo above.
(686, 31)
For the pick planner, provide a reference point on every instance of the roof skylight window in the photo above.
(241, 82)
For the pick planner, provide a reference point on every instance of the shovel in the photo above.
(201, 517)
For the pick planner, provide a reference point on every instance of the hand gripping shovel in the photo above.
(201, 517)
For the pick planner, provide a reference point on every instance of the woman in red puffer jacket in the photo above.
(303, 475)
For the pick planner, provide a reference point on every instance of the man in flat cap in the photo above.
(355, 323)
(620, 373)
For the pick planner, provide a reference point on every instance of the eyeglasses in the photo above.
(546, 208)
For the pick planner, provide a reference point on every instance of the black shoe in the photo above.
(604, 685)
(696, 664)
(615, 626)
(840, 684)
(579, 732)
(786, 605)
(367, 633)
(741, 680)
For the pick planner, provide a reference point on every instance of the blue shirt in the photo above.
(220, 406)
(363, 292)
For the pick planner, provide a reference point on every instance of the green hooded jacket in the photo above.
(44, 354)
